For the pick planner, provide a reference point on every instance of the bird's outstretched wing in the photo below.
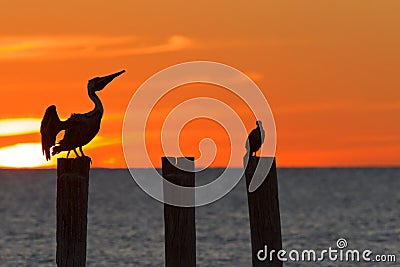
(50, 127)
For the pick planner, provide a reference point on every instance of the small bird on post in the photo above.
(255, 139)
(80, 129)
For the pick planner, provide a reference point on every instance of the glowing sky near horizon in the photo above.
(329, 70)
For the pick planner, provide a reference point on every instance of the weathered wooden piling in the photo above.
(72, 206)
(180, 229)
(265, 223)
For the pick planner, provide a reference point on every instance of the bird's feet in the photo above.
(76, 153)
(83, 154)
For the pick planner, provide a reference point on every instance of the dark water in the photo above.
(318, 206)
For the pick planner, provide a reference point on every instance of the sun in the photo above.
(23, 155)
(18, 126)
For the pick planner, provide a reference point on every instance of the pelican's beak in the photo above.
(101, 82)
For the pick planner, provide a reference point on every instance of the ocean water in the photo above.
(125, 226)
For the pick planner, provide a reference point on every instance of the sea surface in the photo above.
(125, 226)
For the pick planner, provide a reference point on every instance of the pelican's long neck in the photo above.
(98, 107)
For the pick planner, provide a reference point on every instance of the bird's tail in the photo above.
(50, 127)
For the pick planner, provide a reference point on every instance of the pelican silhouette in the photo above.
(80, 129)
(255, 139)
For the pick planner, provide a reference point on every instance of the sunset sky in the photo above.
(329, 70)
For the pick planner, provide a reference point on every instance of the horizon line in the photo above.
(216, 167)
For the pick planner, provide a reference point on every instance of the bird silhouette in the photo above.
(255, 139)
(80, 129)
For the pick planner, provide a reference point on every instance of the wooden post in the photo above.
(265, 223)
(72, 206)
(180, 229)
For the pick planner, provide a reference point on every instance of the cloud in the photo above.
(65, 47)
(337, 107)
(270, 42)
(102, 141)
(113, 117)
(174, 43)
(94, 46)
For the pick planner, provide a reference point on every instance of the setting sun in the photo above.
(25, 155)
(17, 126)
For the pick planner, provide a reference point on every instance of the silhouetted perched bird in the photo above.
(80, 129)
(255, 139)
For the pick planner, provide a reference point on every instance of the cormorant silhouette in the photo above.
(255, 139)
(80, 129)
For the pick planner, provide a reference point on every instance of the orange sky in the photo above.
(329, 70)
